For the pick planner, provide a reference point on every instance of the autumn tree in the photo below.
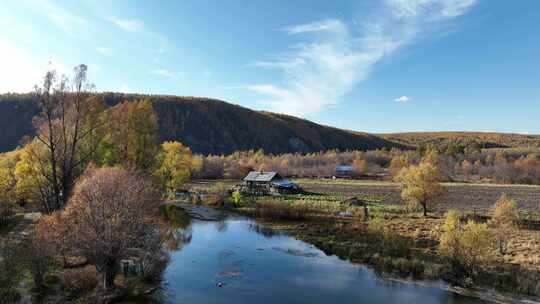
(130, 138)
(420, 185)
(32, 174)
(111, 211)
(449, 240)
(174, 165)
(466, 168)
(39, 253)
(432, 157)
(54, 230)
(60, 128)
(398, 162)
(504, 220)
(142, 138)
(8, 181)
(360, 167)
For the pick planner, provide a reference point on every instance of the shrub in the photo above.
(389, 242)
(468, 247)
(79, 282)
(10, 272)
(39, 254)
(376, 229)
(237, 197)
(219, 196)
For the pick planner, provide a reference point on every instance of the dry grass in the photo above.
(274, 210)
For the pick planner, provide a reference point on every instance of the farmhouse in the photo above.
(261, 183)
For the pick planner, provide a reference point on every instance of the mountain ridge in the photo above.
(213, 126)
(207, 126)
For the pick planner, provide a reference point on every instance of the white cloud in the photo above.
(403, 99)
(105, 51)
(128, 25)
(318, 74)
(167, 73)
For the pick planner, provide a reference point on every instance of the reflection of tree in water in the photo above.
(221, 225)
(264, 231)
(179, 232)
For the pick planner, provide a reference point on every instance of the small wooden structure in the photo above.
(356, 202)
(263, 183)
(344, 171)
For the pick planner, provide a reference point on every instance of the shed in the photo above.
(344, 171)
(259, 182)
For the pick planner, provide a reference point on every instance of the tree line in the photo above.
(465, 164)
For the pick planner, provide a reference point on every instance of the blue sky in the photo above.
(375, 66)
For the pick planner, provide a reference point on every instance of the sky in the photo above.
(365, 65)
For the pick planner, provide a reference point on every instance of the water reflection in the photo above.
(239, 261)
(264, 231)
(179, 231)
(221, 225)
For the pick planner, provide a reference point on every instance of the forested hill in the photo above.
(207, 126)
(484, 139)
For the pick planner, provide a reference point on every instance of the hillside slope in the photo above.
(485, 139)
(207, 126)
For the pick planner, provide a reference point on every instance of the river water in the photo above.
(237, 261)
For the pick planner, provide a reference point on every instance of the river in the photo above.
(237, 261)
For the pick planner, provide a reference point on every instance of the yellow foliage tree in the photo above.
(466, 168)
(142, 135)
(31, 173)
(175, 165)
(431, 157)
(360, 167)
(477, 245)
(420, 185)
(504, 220)
(398, 162)
(7, 185)
(130, 136)
(449, 240)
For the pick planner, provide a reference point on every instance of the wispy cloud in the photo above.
(128, 25)
(328, 25)
(104, 50)
(403, 99)
(59, 16)
(319, 73)
(167, 74)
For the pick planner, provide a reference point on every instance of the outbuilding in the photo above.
(344, 171)
(261, 183)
